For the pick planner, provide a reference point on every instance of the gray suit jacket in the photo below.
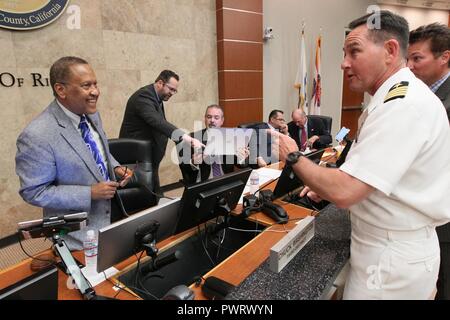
(56, 169)
(443, 93)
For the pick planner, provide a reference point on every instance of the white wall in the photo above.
(417, 16)
(281, 53)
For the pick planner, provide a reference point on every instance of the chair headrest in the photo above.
(131, 151)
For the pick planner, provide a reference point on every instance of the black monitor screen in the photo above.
(344, 153)
(289, 181)
(208, 199)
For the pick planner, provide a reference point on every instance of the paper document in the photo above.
(265, 175)
(226, 141)
(95, 278)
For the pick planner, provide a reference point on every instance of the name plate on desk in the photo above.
(282, 252)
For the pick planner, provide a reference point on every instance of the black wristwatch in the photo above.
(293, 157)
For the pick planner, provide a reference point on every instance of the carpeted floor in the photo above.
(14, 254)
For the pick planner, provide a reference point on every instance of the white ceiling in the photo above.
(429, 4)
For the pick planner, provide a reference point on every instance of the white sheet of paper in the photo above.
(95, 278)
(265, 175)
(226, 141)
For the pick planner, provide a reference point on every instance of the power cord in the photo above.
(203, 244)
(30, 256)
(265, 185)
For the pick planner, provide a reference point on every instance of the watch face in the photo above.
(293, 157)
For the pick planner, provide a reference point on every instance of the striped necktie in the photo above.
(92, 146)
(216, 170)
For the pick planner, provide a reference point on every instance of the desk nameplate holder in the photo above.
(286, 249)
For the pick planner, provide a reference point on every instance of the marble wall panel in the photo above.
(128, 42)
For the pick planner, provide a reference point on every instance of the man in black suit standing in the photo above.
(195, 167)
(429, 60)
(145, 119)
(308, 132)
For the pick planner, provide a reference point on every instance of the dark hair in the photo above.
(438, 34)
(217, 107)
(60, 70)
(165, 76)
(274, 113)
(391, 26)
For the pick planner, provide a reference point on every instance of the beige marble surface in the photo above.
(128, 42)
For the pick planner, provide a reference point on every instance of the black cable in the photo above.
(30, 256)
(122, 207)
(265, 185)
(156, 194)
(115, 285)
(204, 247)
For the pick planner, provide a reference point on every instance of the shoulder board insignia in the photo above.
(397, 91)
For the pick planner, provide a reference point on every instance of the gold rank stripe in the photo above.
(397, 91)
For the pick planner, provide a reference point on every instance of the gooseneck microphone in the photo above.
(160, 262)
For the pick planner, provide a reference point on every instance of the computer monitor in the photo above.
(289, 181)
(211, 198)
(344, 153)
(116, 242)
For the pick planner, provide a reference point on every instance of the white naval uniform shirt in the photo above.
(403, 151)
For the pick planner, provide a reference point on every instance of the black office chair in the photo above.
(252, 125)
(327, 121)
(137, 194)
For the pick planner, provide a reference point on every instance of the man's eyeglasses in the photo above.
(173, 90)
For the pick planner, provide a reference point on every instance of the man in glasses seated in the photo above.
(63, 160)
(145, 119)
(264, 140)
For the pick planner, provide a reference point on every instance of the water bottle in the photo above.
(254, 182)
(90, 245)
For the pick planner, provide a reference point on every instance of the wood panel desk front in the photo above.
(234, 269)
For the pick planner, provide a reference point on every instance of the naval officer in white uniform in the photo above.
(396, 179)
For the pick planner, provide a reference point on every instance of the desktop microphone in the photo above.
(158, 263)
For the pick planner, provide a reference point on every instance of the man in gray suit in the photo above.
(429, 60)
(63, 159)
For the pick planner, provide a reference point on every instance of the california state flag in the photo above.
(317, 83)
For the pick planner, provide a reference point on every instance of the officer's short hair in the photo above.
(391, 26)
(438, 34)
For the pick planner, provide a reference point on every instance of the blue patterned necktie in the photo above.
(216, 170)
(92, 146)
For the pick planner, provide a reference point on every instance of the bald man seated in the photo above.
(308, 132)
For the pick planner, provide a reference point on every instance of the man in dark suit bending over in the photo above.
(308, 132)
(145, 119)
